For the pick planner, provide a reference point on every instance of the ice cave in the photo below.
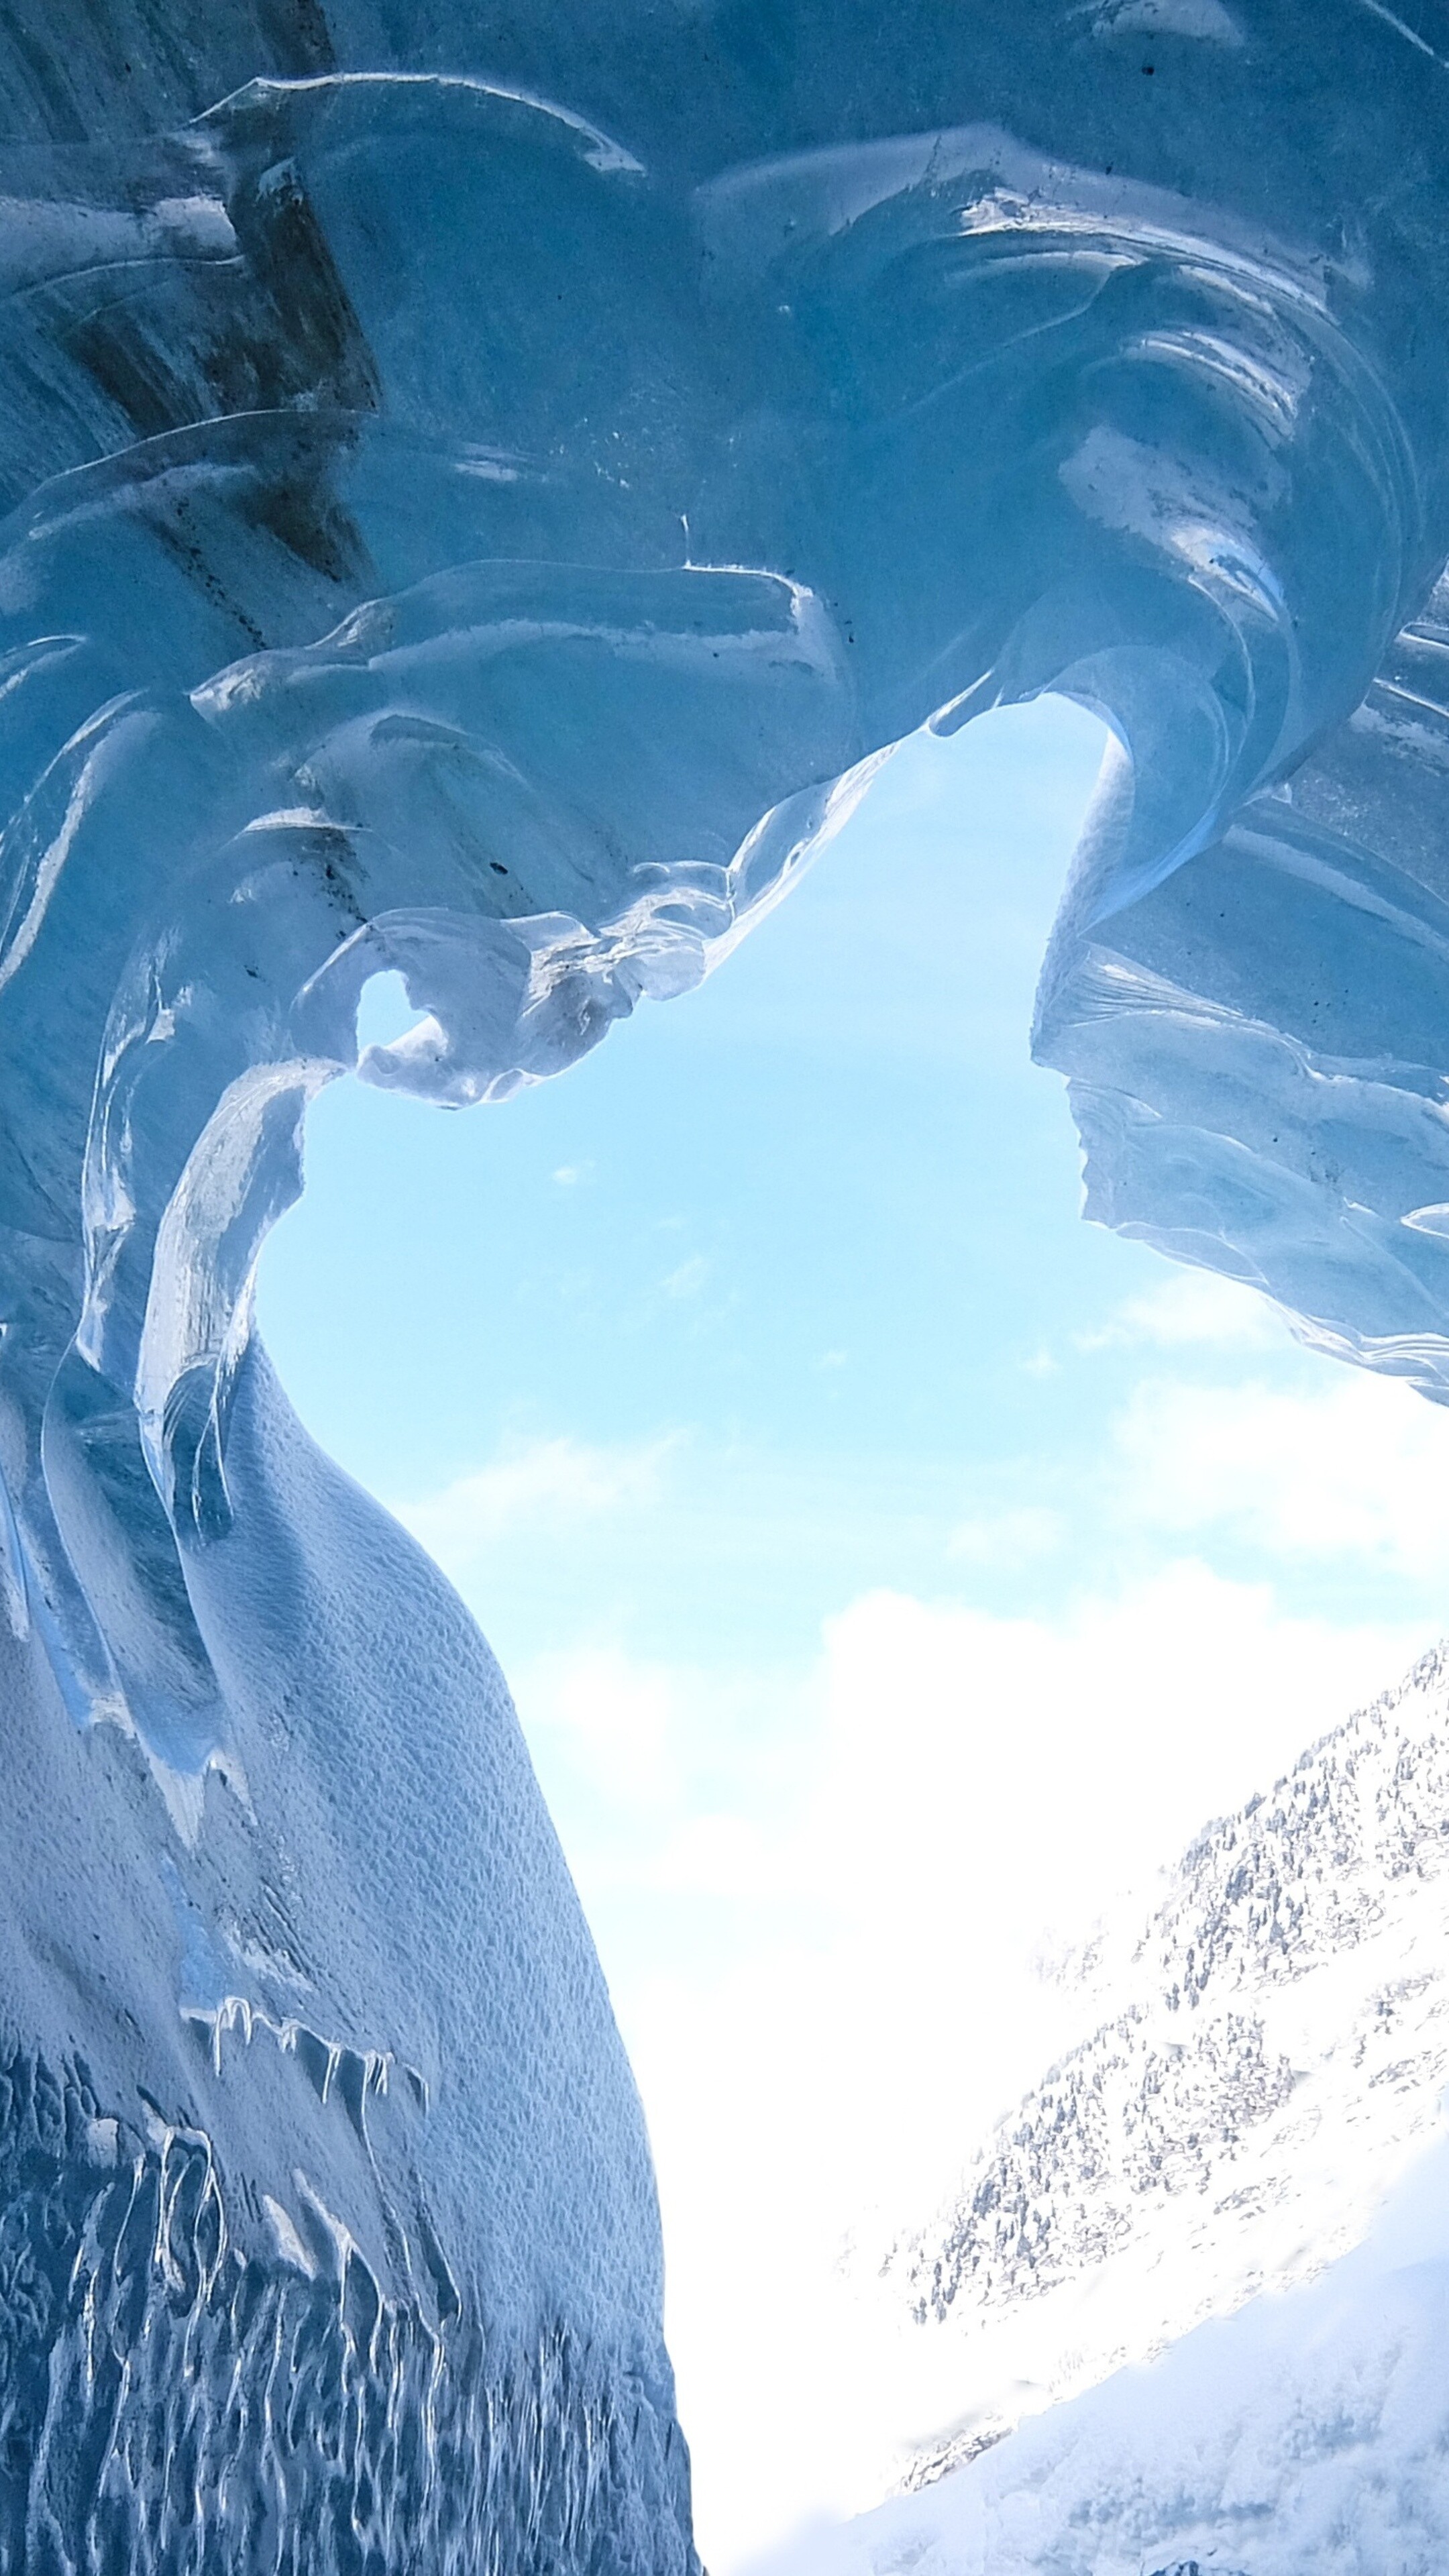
(484, 488)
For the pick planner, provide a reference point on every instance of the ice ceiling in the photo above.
(481, 487)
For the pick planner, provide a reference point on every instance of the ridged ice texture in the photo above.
(479, 486)
(175, 2408)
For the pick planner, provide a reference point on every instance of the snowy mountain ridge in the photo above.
(1267, 2057)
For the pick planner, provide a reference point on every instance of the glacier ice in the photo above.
(481, 487)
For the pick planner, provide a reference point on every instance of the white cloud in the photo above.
(1190, 1309)
(1015, 1536)
(1000, 1772)
(1358, 1468)
(689, 1278)
(612, 1723)
(528, 1481)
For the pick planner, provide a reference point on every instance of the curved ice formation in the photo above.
(480, 487)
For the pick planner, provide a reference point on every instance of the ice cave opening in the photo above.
(481, 491)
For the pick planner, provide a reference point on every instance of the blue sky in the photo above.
(888, 1565)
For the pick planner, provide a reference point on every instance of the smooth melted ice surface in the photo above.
(481, 487)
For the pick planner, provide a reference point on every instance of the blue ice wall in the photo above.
(480, 487)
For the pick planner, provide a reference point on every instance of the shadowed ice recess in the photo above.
(482, 488)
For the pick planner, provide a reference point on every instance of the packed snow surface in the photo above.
(479, 488)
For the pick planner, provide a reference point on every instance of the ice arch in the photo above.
(480, 488)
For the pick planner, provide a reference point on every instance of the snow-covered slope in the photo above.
(1245, 2162)
(1306, 2436)
(1265, 2058)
